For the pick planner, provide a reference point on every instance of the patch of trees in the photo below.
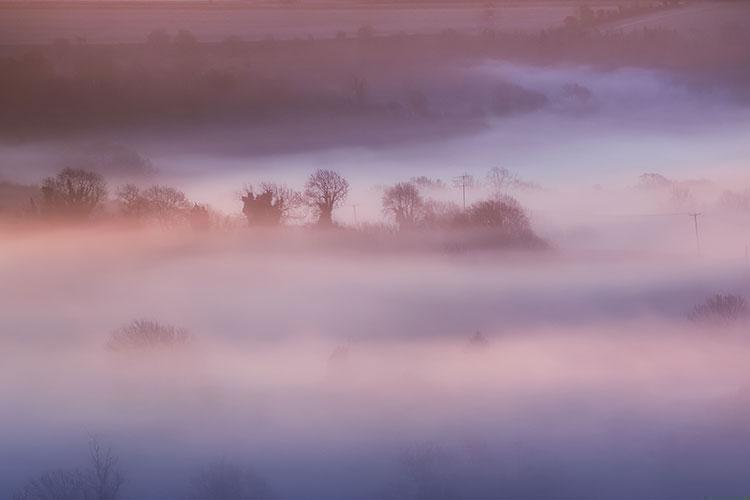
(270, 204)
(80, 195)
(176, 79)
(101, 479)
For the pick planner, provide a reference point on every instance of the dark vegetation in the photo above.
(721, 309)
(77, 196)
(147, 335)
(174, 79)
(101, 479)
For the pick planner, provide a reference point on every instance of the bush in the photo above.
(720, 309)
(143, 335)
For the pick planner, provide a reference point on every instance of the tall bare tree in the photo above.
(324, 191)
(73, 193)
(404, 203)
(164, 204)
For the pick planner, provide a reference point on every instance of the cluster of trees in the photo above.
(103, 479)
(271, 204)
(77, 194)
(80, 195)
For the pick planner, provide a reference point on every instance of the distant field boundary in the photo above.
(280, 5)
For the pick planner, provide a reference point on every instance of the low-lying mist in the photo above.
(333, 372)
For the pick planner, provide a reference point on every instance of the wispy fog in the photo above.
(332, 251)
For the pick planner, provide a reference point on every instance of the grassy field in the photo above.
(102, 23)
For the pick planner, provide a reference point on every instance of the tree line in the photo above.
(78, 195)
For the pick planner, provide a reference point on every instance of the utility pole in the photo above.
(463, 181)
(354, 208)
(695, 216)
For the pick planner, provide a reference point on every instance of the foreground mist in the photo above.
(325, 371)
(336, 251)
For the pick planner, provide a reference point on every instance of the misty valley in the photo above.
(367, 250)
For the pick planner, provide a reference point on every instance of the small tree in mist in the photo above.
(100, 480)
(505, 214)
(324, 191)
(357, 87)
(145, 335)
(225, 481)
(103, 479)
(270, 204)
(720, 309)
(73, 193)
(54, 485)
(404, 204)
(501, 181)
(199, 218)
(164, 204)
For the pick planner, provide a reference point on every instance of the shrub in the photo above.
(142, 335)
(720, 309)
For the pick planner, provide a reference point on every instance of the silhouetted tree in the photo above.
(269, 205)
(54, 485)
(721, 309)
(404, 203)
(73, 193)
(200, 219)
(324, 191)
(505, 213)
(224, 481)
(143, 335)
(165, 204)
(101, 480)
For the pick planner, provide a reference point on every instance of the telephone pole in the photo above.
(354, 208)
(463, 181)
(695, 216)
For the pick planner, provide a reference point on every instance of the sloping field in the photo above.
(99, 24)
(698, 18)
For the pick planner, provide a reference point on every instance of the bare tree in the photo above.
(164, 204)
(143, 334)
(200, 218)
(721, 309)
(73, 193)
(501, 180)
(324, 191)
(225, 481)
(505, 213)
(103, 479)
(269, 205)
(404, 203)
(54, 485)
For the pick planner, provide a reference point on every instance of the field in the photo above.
(212, 24)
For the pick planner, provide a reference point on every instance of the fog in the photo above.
(203, 320)
(591, 378)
